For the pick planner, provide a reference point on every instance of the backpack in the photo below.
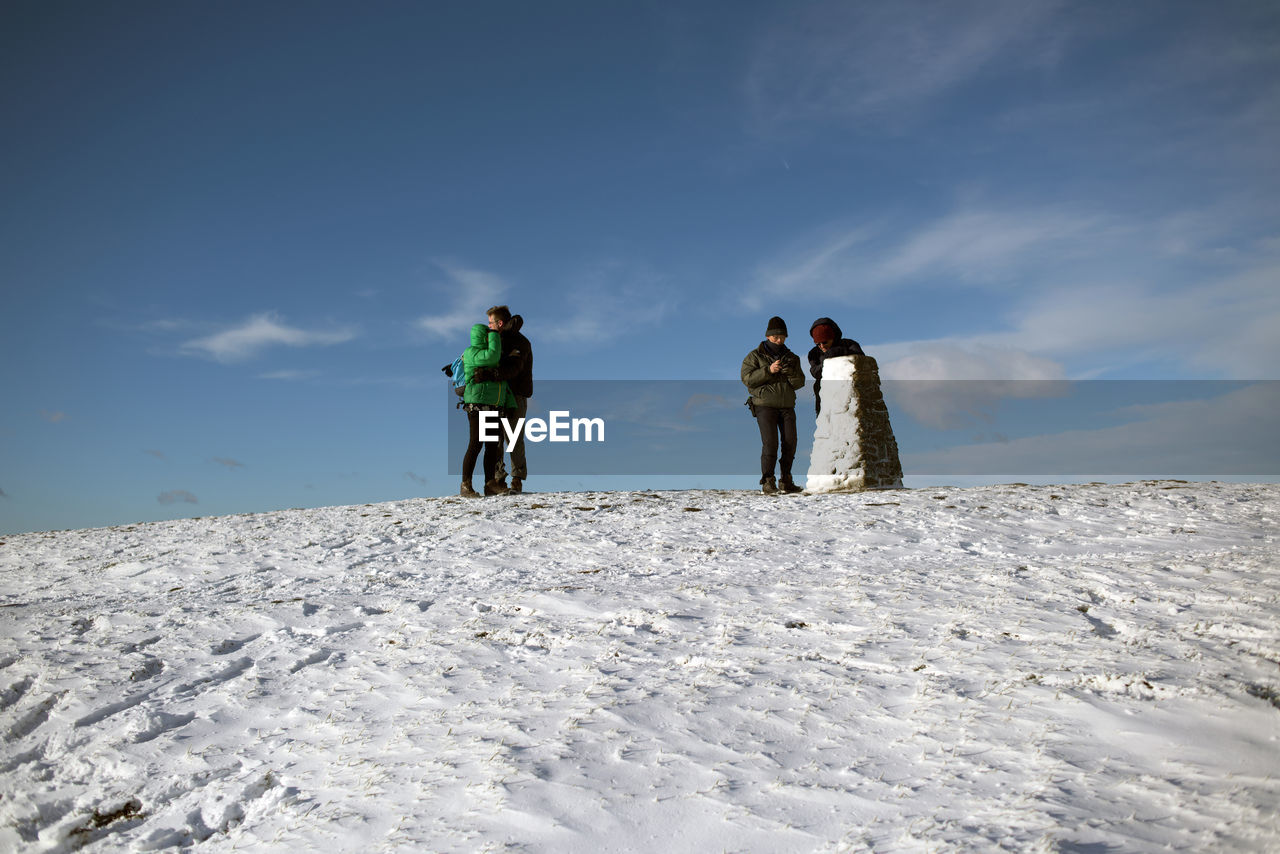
(457, 373)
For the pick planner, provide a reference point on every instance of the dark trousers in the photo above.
(492, 449)
(519, 470)
(776, 424)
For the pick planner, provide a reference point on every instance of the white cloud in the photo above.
(1231, 434)
(833, 262)
(946, 385)
(289, 375)
(256, 334)
(982, 244)
(470, 292)
(1094, 294)
(1226, 325)
(165, 325)
(1223, 327)
(989, 247)
(954, 360)
(611, 297)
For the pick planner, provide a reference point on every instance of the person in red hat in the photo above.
(828, 341)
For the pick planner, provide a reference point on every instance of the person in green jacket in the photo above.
(772, 373)
(484, 392)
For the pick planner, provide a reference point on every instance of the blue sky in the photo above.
(239, 239)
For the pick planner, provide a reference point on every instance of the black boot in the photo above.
(769, 486)
(467, 491)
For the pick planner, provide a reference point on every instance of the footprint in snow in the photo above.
(139, 645)
(149, 669)
(33, 719)
(15, 692)
(231, 645)
(159, 723)
(313, 658)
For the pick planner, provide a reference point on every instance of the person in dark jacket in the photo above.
(516, 368)
(772, 373)
(828, 341)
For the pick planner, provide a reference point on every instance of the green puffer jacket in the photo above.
(769, 389)
(485, 352)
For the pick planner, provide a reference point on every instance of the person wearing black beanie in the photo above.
(772, 373)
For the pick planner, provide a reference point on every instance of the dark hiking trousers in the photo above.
(492, 449)
(776, 424)
(519, 468)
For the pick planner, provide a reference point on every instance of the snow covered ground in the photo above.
(1075, 668)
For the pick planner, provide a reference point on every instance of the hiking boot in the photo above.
(769, 486)
(467, 490)
(495, 487)
(789, 486)
(517, 485)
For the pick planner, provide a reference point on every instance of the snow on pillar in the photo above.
(853, 444)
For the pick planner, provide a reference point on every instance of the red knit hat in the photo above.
(823, 332)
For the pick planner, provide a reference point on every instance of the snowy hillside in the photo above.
(1071, 668)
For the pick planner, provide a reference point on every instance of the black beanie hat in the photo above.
(777, 326)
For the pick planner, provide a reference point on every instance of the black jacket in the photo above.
(840, 347)
(517, 359)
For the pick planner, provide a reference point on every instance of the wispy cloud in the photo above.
(949, 385)
(259, 332)
(974, 246)
(954, 360)
(229, 463)
(291, 376)
(607, 298)
(1221, 326)
(1063, 291)
(416, 478)
(177, 496)
(854, 62)
(468, 293)
(3, 494)
(982, 245)
(1224, 324)
(165, 325)
(53, 417)
(1231, 434)
(159, 455)
(829, 262)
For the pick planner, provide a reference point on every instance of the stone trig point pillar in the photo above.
(853, 444)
